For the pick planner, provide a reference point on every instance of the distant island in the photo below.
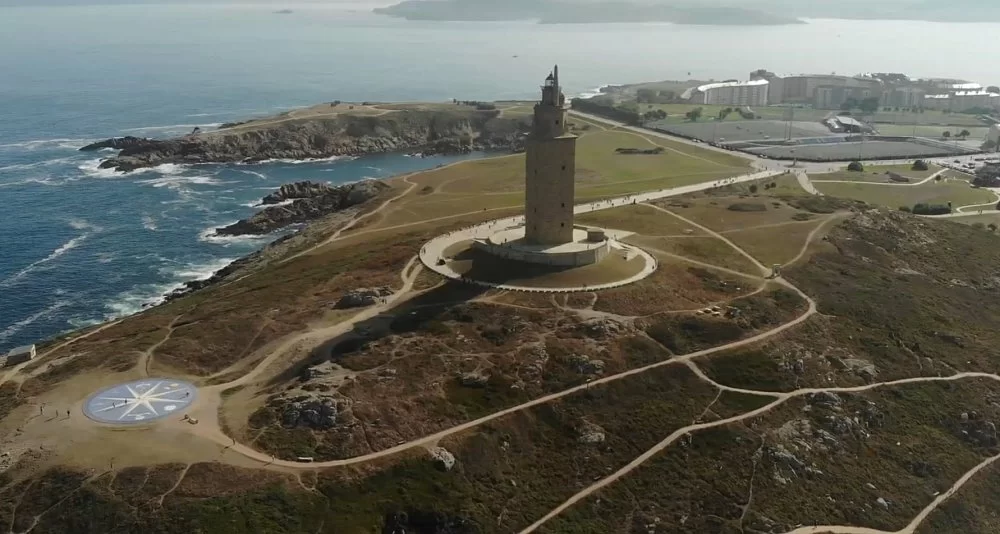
(564, 12)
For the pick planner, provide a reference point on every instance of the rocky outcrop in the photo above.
(303, 210)
(457, 130)
(315, 413)
(360, 298)
(296, 191)
(120, 143)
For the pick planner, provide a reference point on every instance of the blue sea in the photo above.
(80, 245)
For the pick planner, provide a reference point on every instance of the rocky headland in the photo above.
(429, 130)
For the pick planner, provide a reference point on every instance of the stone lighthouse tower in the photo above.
(550, 170)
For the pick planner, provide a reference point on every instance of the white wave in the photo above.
(177, 182)
(308, 160)
(80, 224)
(81, 322)
(48, 143)
(106, 257)
(14, 328)
(201, 271)
(138, 298)
(252, 173)
(93, 169)
(593, 92)
(63, 249)
(262, 206)
(146, 295)
(148, 222)
(208, 236)
(40, 181)
(172, 127)
(35, 165)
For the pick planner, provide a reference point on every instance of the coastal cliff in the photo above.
(443, 129)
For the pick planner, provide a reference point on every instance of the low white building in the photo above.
(960, 101)
(20, 355)
(753, 93)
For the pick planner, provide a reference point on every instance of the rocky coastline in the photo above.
(455, 130)
(310, 201)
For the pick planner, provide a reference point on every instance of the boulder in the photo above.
(442, 458)
(586, 366)
(474, 379)
(359, 298)
(588, 432)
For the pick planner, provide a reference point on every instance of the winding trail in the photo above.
(17, 368)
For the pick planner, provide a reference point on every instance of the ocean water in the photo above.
(80, 245)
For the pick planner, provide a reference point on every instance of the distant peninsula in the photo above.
(564, 12)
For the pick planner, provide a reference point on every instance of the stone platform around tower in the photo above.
(589, 246)
(467, 255)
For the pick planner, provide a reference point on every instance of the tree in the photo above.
(643, 96)
(753, 189)
(964, 133)
(992, 227)
(694, 114)
(869, 105)
(856, 166)
(920, 165)
(946, 134)
(723, 113)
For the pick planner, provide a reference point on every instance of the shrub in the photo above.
(753, 188)
(931, 209)
(920, 165)
(905, 208)
(856, 166)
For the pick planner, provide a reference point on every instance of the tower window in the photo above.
(557, 122)
(564, 167)
(563, 205)
(562, 225)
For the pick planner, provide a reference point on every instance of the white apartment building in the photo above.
(753, 93)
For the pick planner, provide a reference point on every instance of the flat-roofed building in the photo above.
(20, 355)
(752, 93)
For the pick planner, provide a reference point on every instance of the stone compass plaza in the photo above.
(140, 401)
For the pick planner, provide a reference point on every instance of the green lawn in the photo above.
(876, 174)
(977, 132)
(894, 196)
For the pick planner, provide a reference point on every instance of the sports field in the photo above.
(849, 151)
(729, 131)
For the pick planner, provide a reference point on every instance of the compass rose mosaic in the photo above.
(140, 401)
